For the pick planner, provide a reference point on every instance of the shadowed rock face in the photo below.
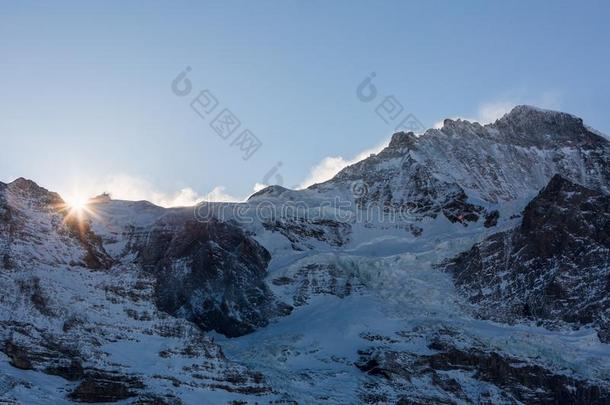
(102, 387)
(310, 280)
(512, 158)
(36, 222)
(526, 126)
(555, 266)
(300, 231)
(211, 273)
(398, 182)
(447, 370)
(5, 216)
(109, 337)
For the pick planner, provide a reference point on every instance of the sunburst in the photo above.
(77, 204)
(77, 209)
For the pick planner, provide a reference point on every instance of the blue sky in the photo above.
(87, 103)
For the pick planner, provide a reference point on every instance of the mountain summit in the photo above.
(466, 265)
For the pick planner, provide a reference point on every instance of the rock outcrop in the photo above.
(210, 273)
(554, 267)
(128, 302)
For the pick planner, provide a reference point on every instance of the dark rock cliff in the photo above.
(555, 266)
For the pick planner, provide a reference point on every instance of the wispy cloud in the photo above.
(331, 165)
(126, 187)
(259, 186)
(219, 194)
(490, 111)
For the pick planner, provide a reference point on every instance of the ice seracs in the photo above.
(465, 265)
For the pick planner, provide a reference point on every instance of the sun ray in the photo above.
(77, 209)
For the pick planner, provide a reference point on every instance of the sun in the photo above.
(76, 203)
(77, 207)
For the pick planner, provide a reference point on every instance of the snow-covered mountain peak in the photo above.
(100, 199)
(508, 160)
(22, 182)
(270, 191)
(401, 140)
(455, 126)
(26, 189)
(329, 294)
(531, 126)
(524, 125)
(529, 113)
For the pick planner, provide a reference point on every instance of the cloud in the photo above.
(331, 165)
(259, 186)
(126, 187)
(219, 194)
(486, 113)
(550, 100)
(489, 112)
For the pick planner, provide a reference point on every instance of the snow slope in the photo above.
(353, 305)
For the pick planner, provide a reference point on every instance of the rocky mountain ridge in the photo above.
(506, 160)
(489, 287)
(554, 266)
